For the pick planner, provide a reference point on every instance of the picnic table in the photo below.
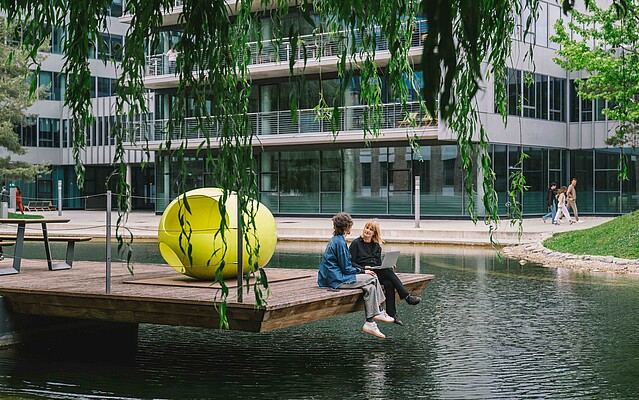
(20, 237)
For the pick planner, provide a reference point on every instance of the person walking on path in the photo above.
(571, 197)
(19, 200)
(337, 272)
(561, 204)
(366, 251)
(551, 202)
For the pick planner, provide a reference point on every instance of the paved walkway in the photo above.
(144, 224)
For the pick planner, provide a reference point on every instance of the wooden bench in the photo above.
(10, 240)
(39, 206)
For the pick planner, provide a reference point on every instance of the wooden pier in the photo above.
(157, 294)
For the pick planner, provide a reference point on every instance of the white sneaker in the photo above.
(579, 222)
(371, 327)
(384, 317)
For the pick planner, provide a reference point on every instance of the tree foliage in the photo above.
(604, 44)
(15, 98)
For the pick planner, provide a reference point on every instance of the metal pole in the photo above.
(59, 198)
(417, 204)
(240, 261)
(108, 242)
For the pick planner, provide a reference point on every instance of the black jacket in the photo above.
(365, 254)
(550, 197)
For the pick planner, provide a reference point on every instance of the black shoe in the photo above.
(398, 321)
(412, 300)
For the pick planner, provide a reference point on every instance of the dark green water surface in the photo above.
(484, 330)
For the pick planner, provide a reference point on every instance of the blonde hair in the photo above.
(374, 226)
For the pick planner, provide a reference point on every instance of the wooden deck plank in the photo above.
(80, 292)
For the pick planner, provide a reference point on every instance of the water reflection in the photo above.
(485, 329)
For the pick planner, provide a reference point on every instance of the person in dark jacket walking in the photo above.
(551, 203)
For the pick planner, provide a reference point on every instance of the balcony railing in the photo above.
(282, 123)
(310, 47)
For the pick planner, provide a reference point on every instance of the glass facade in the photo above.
(379, 181)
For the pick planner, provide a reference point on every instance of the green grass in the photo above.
(618, 237)
(25, 216)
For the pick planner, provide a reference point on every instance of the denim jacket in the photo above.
(335, 267)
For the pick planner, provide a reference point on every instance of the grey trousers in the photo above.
(373, 293)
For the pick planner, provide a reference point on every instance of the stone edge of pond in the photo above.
(537, 253)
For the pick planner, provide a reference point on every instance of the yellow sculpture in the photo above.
(206, 247)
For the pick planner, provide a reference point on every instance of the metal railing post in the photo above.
(108, 242)
(417, 202)
(59, 198)
(240, 261)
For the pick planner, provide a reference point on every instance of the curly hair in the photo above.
(342, 222)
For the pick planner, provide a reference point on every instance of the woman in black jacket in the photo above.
(366, 251)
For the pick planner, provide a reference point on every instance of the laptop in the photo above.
(390, 259)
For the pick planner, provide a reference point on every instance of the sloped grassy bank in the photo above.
(617, 238)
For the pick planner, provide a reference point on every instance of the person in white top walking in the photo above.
(561, 206)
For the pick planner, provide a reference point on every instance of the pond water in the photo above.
(485, 329)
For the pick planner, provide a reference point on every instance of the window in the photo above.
(586, 110)
(104, 87)
(49, 132)
(600, 104)
(541, 91)
(574, 103)
(59, 86)
(45, 80)
(92, 89)
(110, 47)
(554, 15)
(67, 133)
(104, 46)
(528, 23)
(535, 95)
(29, 133)
(514, 91)
(57, 45)
(541, 28)
(116, 8)
(557, 98)
(529, 97)
(116, 47)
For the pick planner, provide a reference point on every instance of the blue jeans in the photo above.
(552, 213)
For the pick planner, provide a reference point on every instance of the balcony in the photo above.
(309, 48)
(278, 128)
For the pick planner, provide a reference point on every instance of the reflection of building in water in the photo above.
(375, 367)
